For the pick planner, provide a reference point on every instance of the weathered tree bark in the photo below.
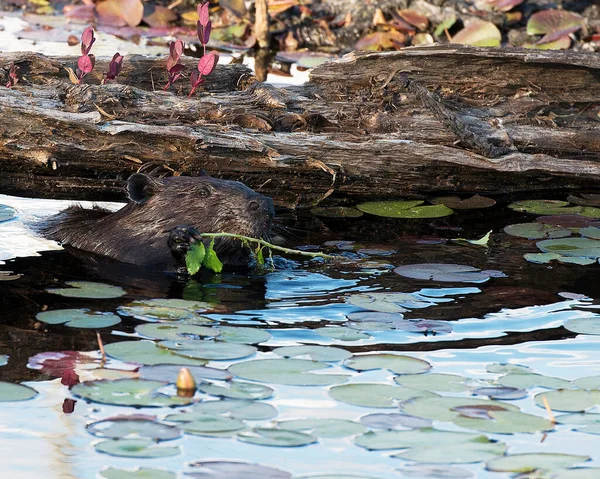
(419, 121)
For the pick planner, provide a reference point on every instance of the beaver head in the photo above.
(139, 232)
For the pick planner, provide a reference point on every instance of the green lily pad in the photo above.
(341, 333)
(569, 400)
(434, 471)
(434, 382)
(323, 427)
(235, 408)
(474, 202)
(138, 473)
(392, 302)
(128, 392)
(234, 470)
(588, 382)
(584, 422)
(89, 289)
(545, 207)
(447, 272)
(316, 353)
(139, 448)
(206, 425)
(589, 325)
(15, 392)
(79, 318)
(590, 232)
(584, 247)
(541, 258)
(3, 360)
(209, 350)
(147, 353)
(506, 422)
(375, 395)
(404, 209)
(120, 427)
(505, 368)
(530, 462)
(537, 231)
(175, 331)
(431, 445)
(291, 372)
(237, 390)
(396, 363)
(393, 420)
(531, 380)
(264, 436)
(7, 213)
(167, 310)
(239, 334)
(447, 408)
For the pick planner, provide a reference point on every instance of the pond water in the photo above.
(398, 385)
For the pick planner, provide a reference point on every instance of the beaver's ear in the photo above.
(140, 187)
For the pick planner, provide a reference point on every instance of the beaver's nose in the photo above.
(254, 205)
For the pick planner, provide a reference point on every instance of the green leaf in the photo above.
(211, 260)
(260, 259)
(195, 257)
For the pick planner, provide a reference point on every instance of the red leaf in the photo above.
(207, 63)
(203, 13)
(68, 406)
(69, 378)
(176, 49)
(176, 68)
(204, 32)
(194, 77)
(114, 68)
(87, 40)
(85, 64)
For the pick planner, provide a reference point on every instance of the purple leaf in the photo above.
(87, 40)
(13, 79)
(176, 68)
(85, 64)
(203, 15)
(176, 49)
(204, 32)
(207, 63)
(114, 68)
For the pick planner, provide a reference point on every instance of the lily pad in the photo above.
(316, 353)
(264, 436)
(124, 427)
(341, 333)
(148, 353)
(588, 382)
(479, 33)
(209, 350)
(7, 213)
(590, 232)
(447, 272)
(167, 310)
(169, 372)
(234, 470)
(139, 448)
(505, 422)
(15, 392)
(239, 334)
(235, 408)
(536, 231)
(448, 408)
(545, 207)
(404, 209)
(393, 420)
(396, 363)
(526, 380)
(175, 331)
(321, 427)
(589, 325)
(375, 395)
(138, 473)
(530, 462)
(3, 360)
(128, 392)
(89, 289)
(474, 202)
(434, 471)
(584, 247)
(291, 372)
(583, 422)
(392, 302)
(434, 382)
(501, 392)
(79, 318)
(541, 258)
(205, 424)
(569, 400)
(237, 390)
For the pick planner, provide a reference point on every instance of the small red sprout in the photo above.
(114, 67)
(204, 24)
(174, 68)
(86, 62)
(13, 79)
(206, 66)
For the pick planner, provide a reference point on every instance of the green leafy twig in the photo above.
(199, 255)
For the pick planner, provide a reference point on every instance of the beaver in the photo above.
(163, 218)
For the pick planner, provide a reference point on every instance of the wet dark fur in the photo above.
(138, 233)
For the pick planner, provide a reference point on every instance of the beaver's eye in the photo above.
(204, 192)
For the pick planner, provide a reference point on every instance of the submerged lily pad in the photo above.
(234, 470)
(375, 395)
(396, 363)
(237, 390)
(175, 331)
(79, 318)
(7, 213)
(317, 353)
(404, 209)
(323, 427)
(15, 392)
(291, 372)
(141, 448)
(447, 272)
(530, 462)
(584, 247)
(337, 212)
(89, 289)
(537, 231)
(128, 392)
(265, 436)
(120, 427)
(341, 333)
(434, 382)
(138, 473)
(148, 353)
(167, 310)
(474, 202)
(393, 420)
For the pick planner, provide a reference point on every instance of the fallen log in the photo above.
(423, 120)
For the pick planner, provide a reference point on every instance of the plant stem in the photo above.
(268, 245)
